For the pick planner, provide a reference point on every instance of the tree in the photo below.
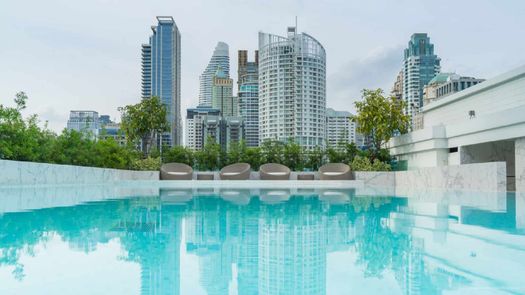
(22, 140)
(144, 121)
(209, 158)
(272, 151)
(252, 156)
(293, 156)
(235, 153)
(379, 118)
(178, 154)
(315, 158)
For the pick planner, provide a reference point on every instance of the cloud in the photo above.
(376, 70)
(56, 120)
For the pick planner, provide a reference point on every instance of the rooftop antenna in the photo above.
(296, 23)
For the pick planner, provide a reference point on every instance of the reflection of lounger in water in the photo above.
(335, 196)
(274, 196)
(175, 196)
(238, 197)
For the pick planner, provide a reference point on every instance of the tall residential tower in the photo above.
(292, 88)
(161, 74)
(248, 93)
(420, 65)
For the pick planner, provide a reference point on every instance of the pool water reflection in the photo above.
(271, 242)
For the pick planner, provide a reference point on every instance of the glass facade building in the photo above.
(248, 93)
(161, 61)
(292, 88)
(420, 65)
(220, 57)
(86, 122)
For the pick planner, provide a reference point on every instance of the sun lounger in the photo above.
(239, 171)
(335, 171)
(273, 171)
(176, 171)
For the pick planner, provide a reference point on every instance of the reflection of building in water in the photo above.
(206, 233)
(152, 238)
(340, 233)
(459, 241)
(248, 250)
(292, 248)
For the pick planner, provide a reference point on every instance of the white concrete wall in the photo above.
(30, 173)
(504, 92)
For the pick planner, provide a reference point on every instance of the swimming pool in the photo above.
(141, 240)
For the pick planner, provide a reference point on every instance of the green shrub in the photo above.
(315, 158)
(252, 156)
(293, 156)
(209, 158)
(148, 164)
(363, 164)
(178, 154)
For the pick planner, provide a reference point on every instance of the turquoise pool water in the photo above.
(96, 241)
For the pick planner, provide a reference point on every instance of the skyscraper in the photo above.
(248, 93)
(161, 74)
(146, 71)
(222, 94)
(420, 65)
(292, 88)
(220, 57)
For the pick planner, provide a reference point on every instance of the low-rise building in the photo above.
(112, 130)
(444, 84)
(204, 123)
(223, 130)
(194, 125)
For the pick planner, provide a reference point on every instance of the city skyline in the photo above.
(106, 71)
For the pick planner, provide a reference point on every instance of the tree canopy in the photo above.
(379, 117)
(143, 121)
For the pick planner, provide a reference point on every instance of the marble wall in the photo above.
(376, 178)
(491, 152)
(30, 173)
(475, 177)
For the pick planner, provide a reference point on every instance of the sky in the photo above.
(69, 55)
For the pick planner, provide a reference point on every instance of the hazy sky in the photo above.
(86, 54)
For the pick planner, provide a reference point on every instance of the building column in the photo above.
(519, 147)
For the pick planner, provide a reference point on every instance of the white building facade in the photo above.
(292, 88)
(484, 123)
(339, 128)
